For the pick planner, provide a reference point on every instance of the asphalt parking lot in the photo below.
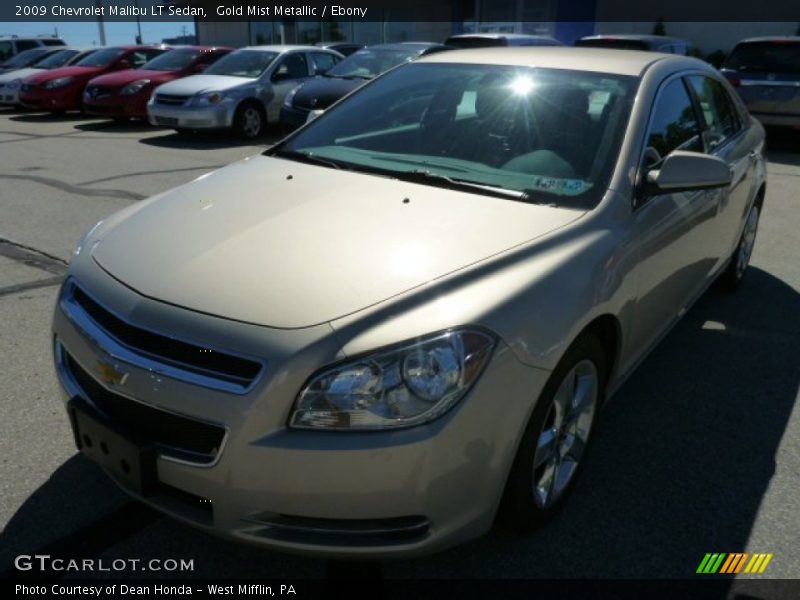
(699, 452)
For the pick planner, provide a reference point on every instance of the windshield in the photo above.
(59, 59)
(614, 43)
(242, 63)
(541, 135)
(174, 60)
(101, 58)
(27, 57)
(769, 57)
(371, 62)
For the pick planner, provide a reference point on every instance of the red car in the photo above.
(125, 94)
(61, 89)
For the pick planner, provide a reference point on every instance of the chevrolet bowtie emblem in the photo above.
(110, 374)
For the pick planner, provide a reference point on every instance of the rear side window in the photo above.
(673, 125)
(718, 110)
(26, 45)
(53, 42)
(322, 61)
(765, 57)
(6, 50)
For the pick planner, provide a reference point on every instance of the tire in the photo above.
(562, 434)
(250, 121)
(733, 274)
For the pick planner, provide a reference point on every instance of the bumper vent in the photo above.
(171, 99)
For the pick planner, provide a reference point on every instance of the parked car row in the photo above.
(201, 87)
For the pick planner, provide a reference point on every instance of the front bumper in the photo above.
(375, 494)
(192, 117)
(8, 96)
(117, 106)
(59, 99)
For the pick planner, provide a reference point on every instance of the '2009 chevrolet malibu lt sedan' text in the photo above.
(400, 322)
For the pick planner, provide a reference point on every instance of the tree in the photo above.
(658, 28)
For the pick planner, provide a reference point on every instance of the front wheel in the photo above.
(740, 260)
(249, 121)
(556, 438)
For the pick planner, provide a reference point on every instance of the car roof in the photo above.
(633, 36)
(598, 60)
(284, 48)
(773, 38)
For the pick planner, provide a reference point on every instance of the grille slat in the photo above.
(202, 441)
(184, 355)
(171, 99)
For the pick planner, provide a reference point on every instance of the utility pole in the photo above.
(138, 23)
(100, 24)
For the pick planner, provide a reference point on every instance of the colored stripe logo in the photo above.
(722, 562)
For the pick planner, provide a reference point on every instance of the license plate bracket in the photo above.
(131, 461)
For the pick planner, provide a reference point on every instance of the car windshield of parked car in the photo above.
(242, 63)
(371, 62)
(101, 58)
(539, 135)
(174, 60)
(614, 43)
(59, 59)
(25, 58)
(768, 57)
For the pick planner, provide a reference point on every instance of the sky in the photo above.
(86, 33)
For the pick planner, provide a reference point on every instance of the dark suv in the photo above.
(766, 73)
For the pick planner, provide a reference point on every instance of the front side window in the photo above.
(242, 63)
(6, 50)
(539, 135)
(718, 111)
(293, 66)
(673, 125)
(323, 62)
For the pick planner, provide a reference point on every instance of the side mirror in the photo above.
(281, 73)
(684, 171)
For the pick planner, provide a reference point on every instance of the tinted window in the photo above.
(370, 62)
(475, 42)
(769, 57)
(517, 129)
(101, 58)
(6, 50)
(28, 57)
(322, 62)
(296, 65)
(59, 59)
(210, 57)
(242, 63)
(673, 125)
(718, 111)
(26, 45)
(52, 42)
(174, 60)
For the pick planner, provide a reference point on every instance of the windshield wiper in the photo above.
(307, 157)
(427, 177)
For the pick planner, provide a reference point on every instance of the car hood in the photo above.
(19, 74)
(197, 84)
(289, 245)
(121, 78)
(322, 92)
(46, 76)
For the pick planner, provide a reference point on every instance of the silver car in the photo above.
(243, 90)
(400, 322)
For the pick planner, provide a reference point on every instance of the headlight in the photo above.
(287, 101)
(58, 83)
(14, 85)
(406, 386)
(134, 87)
(85, 238)
(209, 98)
